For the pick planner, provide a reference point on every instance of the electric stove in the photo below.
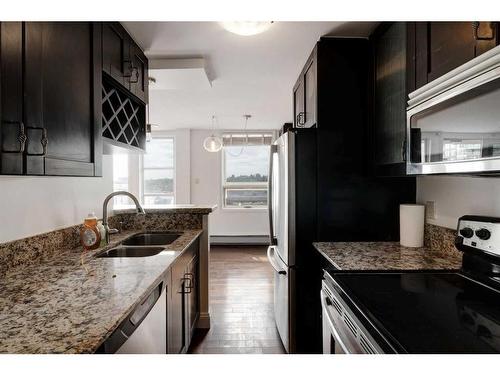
(420, 311)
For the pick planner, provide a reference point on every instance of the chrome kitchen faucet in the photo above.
(107, 229)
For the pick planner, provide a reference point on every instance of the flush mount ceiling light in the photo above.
(246, 28)
(212, 143)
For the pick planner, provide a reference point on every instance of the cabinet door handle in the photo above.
(301, 119)
(21, 137)
(475, 30)
(130, 71)
(134, 73)
(189, 285)
(44, 141)
(190, 275)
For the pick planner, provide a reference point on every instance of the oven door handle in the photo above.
(326, 307)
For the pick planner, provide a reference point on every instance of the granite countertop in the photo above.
(385, 256)
(168, 208)
(62, 306)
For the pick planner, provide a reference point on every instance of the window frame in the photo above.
(242, 185)
(173, 168)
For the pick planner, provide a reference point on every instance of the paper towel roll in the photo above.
(411, 225)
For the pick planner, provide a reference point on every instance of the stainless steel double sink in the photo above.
(142, 245)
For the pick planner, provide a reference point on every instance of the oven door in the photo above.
(456, 130)
(331, 343)
(331, 339)
(343, 333)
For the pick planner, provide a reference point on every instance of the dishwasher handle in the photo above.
(142, 310)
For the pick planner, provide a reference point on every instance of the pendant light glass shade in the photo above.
(212, 144)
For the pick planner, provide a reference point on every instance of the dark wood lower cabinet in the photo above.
(192, 310)
(184, 307)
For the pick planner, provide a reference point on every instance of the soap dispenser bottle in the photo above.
(90, 236)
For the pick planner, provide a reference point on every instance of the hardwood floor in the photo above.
(241, 304)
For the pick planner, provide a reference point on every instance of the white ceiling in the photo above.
(250, 74)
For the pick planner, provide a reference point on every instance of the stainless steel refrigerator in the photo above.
(320, 191)
(285, 167)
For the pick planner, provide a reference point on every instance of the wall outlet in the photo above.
(430, 210)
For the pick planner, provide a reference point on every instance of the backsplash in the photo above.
(441, 239)
(44, 246)
(38, 248)
(157, 221)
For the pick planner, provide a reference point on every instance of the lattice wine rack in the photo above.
(123, 118)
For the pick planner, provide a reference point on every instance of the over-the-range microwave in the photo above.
(453, 122)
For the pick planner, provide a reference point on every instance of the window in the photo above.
(461, 149)
(120, 178)
(245, 170)
(158, 172)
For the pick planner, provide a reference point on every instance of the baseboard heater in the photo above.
(239, 240)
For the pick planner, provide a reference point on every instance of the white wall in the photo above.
(457, 196)
(33, 205)
(206, 177)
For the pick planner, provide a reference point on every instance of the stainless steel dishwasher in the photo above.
(144, 331)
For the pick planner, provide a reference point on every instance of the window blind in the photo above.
(251, 139)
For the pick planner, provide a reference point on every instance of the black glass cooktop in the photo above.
(428, 312)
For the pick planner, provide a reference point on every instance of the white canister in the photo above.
(411, 225)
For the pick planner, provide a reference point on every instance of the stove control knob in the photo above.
(483, 234)
(466, 232)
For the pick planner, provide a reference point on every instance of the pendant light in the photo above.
(246, 117)
(213, 143)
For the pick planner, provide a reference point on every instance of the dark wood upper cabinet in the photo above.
(124, 61)
(51, 107)
(62, 76)
(393, 51)
(304, 95)
(298, 103)
(138, 79)
(12, 130)
(443, 46)
(116, 51)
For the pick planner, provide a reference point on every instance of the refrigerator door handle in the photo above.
(273, 263)
(272, 238)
